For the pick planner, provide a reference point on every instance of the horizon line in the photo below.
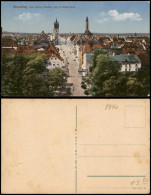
(5, 31)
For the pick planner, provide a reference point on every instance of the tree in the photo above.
(84, 86)
(27, 75)
(56, 78)
(143, 75)
(121, 84)
(95, 53)
(12, 72)
(86, 92)
(104, 75)
(134, 87)
(35, 77)
(106, 80)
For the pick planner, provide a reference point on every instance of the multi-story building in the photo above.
(128, 62)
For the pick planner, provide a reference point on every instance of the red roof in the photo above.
(72, 37)
(48, 53)
(8, 42)
(7, 50)
(88, 48)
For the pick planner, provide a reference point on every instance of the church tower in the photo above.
(56, 30)
(87, 32)
(87, 24)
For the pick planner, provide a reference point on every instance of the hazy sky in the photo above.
(104, 16)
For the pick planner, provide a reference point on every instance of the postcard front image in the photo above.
(66, 49)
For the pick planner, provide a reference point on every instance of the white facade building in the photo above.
(54, 62)
(129, 62)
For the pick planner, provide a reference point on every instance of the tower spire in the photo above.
(87, 24)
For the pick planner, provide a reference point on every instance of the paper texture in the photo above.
(75, 146)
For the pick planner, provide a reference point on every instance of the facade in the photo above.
(54, 62)
(87, 48)
(50, 36)
(87, 62)
(129, 62)
(44, 45)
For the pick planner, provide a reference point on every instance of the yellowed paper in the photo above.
(75, 146)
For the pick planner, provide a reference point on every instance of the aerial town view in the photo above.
(89, 49)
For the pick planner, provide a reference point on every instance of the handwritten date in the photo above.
(111, 107)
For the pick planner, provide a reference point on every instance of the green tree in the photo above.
(11, 75)
(27, 75)
(143, 75)
(56, 78)
(95, 53)
(35, 77)
(134, 87)
(104, 76)
(106, 80)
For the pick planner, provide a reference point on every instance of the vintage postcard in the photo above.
(75, 146)
(88, 49)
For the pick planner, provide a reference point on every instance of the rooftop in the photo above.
(88, 32)
(125, 58)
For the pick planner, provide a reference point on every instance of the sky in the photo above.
(104, 16)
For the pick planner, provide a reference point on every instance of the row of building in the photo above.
(32, 43)
(42, 45)
(131, 52)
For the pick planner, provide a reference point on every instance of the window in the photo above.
(55, 58)
(53, 64)
(129, 67)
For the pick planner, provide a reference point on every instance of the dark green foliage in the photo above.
(86, 92)
(56, 78)
(106, 80)
(96, 52)
(84, 86)
(26, 75)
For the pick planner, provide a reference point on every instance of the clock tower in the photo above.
(56, 30)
